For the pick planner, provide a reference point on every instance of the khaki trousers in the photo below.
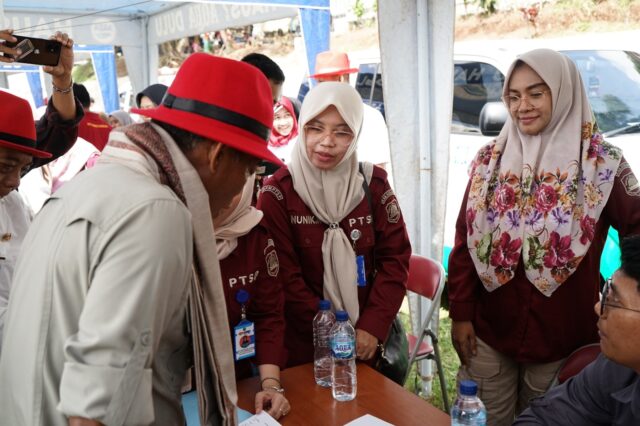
(505, 386)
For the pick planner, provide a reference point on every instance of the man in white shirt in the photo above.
(17, 149)
(52, 135)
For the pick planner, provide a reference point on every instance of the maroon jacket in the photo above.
(298, 236)
(55, 135)
(253, 266)
(519, 321)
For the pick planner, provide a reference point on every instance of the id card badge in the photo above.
(244, 340)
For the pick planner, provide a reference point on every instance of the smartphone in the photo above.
(37, 51)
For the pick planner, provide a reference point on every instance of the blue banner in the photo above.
(35, 84)
(104, 64)
(316, 25)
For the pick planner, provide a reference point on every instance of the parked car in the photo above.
(611, 78)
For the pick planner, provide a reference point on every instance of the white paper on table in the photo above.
(368, 420)
(262, 419)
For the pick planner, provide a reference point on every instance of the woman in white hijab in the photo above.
(523, 274)
(336, 242)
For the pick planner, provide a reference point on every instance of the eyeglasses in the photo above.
(608, 285)
(534, 99)
(316, 133)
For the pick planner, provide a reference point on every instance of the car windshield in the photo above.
(612, 81)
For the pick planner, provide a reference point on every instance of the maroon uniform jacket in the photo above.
(253, 266)
(298, 235)
(519, 321)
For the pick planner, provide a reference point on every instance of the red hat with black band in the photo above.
(17, 129)
(220, 99)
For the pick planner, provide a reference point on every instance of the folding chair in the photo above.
(575, 362)
(426, 278)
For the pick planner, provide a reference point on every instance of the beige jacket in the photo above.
(96, 319)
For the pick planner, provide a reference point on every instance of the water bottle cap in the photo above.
(324, 305)
(468, 388)
(342, 316)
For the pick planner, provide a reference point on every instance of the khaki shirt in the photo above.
(96, 319)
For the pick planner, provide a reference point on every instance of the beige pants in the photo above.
(505, 386)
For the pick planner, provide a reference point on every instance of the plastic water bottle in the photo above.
(322, 324)
(468, 410)
(344, 381)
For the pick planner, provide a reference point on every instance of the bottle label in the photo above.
(342, 346)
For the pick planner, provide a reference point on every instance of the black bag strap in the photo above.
(367, 190)
(367, 193)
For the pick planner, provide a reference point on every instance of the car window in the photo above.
(474, 84)
(369, 85)
(612, 81)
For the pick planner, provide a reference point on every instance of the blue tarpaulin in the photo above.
(104, 65)
(35, 84)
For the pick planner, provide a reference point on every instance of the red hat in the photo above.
(17, 130)
(332, 63)
(220, 99)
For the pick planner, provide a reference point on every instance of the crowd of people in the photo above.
(154, 270)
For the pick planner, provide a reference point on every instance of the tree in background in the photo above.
(487, 6)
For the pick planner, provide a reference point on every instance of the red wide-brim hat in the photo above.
(220, 99)
(17, 129)
(331, 63)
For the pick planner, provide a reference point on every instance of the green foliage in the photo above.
(83, 72)
(358, 9)
(487, 6)
(450, 363)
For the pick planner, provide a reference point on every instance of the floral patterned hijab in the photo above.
(537, 198)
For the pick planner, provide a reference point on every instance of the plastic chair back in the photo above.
(426, 277)
(578, 359)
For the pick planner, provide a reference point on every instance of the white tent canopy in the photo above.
(140, 26)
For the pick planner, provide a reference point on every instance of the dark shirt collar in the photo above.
(630, 395)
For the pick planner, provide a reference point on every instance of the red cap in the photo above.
(220, 99)
(17, 129)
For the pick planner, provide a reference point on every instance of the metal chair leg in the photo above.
(443, 384)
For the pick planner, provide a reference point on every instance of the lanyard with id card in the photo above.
(360, 268)
(244, 335)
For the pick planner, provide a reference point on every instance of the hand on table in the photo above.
(276, 404)
(366, 345)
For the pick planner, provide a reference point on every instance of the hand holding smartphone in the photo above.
(37, 51)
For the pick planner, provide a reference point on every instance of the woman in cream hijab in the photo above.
(253, 296)
(253, 292)
(523, 274)
(322, 221)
